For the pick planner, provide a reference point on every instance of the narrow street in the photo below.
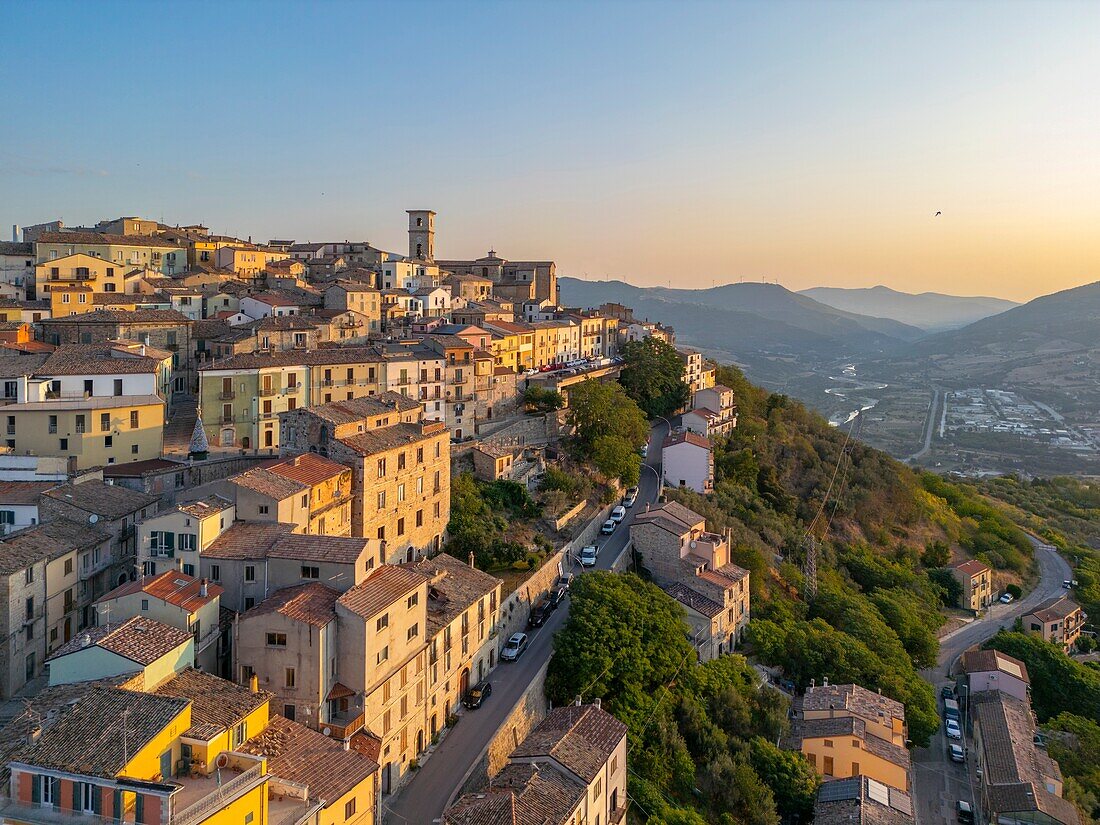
(938, 783)
(423, 798)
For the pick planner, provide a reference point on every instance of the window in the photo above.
(400, 493)
(382, 623)
(349, 809)
(419, 518)
(276, 640)
(108, 441)
(305, 499)
(64, 444)
(30, 608)
(133, 419)
(263, 509)
(381, 499)
(28, 575)
(414, 631)
(118, 386)
(68, 566)
(383, 654)
(381, 467)
(105, 421)
(311, 572)
(290, 676)
(249, 602)
(239, 734)
(401, 461)
(250, 573)
(413, 601)
(53, 424)
(419, 455)
(401, 526)
(216, 572)
(145, 604)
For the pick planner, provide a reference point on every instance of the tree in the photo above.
(598, 408)
(1059, 684)
(936, 554)
(793, 780)
(540, 399)
(653, 375)
(951, 591)
(615, 458)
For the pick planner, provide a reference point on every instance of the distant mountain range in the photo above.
(747, 322)
(931, 311)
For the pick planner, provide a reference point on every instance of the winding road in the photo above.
(423, 798)
(938, 783)
(929, 426)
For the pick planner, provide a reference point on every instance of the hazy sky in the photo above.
(692, 142)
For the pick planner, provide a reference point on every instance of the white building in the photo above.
(688, 461)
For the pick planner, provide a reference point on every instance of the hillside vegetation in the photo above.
(884, 536)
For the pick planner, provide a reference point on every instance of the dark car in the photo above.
(477, 694)
(557, 596)
(564, 580)
(947, 692)
(540, 612)
(964, 813)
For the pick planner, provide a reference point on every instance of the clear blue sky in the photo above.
(691, 142)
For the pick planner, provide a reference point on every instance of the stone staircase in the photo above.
(180, 425)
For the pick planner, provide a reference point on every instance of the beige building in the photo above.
(308, 490)
(178, 600)
(172, 540)
(697, 375)
(847, 731)
(693, 566)
(571, 768)
(79, 270)
(992, 670)
(46, 593)
(246, 260)
(977, 584)
(713, 412)
(400, 466)
(130, 251)
(1058, 621)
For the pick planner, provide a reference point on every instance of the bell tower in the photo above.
(421, 234)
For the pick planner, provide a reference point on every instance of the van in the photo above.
(951, 709)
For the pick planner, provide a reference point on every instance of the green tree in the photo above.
(1059, 684)
(653, 375)
(540, 399)
(936, 554)
(616, 458)
(597, 409)
(793, 780)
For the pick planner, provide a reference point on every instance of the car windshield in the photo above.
(475, 693)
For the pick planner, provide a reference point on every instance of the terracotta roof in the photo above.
(453, 587)
(803, 729)
(281, 323)
(311, 603)
(387, 585)
(24, 492)
(356, 409)
(308, 468)
(247, 540)
(47, 541)
(140, 639)
(367, 744)
(521, 794)
(296, 357)
(261, 480)
(688, 437)
(109, 501)
(306, 757)
(855, 699)
(174, 587)
(122, 316)
(88, 738)
(581, 738)
(85, 238)
(1055, 610)
(205, 507)
(671, 516)
(214, 701)
(972, 567)
(696, 601)
(387, 438)
(977, 661)
(331, 549)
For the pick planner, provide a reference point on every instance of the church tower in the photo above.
(421, 234)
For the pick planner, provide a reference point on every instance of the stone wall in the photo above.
(531, 709)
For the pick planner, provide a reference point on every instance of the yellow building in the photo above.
(100, 274)
(248, 260)
(1058, 620)
(976, 580)
(123, 251)
(307, 490)
(95, 431)
(847, 730)
(512, 345)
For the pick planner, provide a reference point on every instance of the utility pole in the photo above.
(809, 570)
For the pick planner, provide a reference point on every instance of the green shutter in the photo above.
(36, 789)
(116, 807)
(139, 808)
(55, 791)
(97, 799)
(76, 796)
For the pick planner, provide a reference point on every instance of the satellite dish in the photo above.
(93, 518)
(693, 544)
(327, 731)
(222, 760)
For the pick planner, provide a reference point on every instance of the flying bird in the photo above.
(937, 214)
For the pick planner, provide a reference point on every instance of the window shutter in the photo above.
(55, 791)
(76, 796)
(36, 789)
(139, 808)
(170, 544)
(97, 799)
(116, 805)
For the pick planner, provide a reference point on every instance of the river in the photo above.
(852, 391)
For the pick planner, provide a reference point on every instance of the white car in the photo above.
(588, 555)
(953, 730)
(957, 753)
(514, 647)
(609, 527)
(1006, 598)
(644, 451)
(630, 497)
(618, 514)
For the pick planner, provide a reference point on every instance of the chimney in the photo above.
(471, 558)
(596, 701)
(15, 233)
(825, 682)
(254, 683)
(34, 734)
(347, 744)
(577, 701)
(86, 640)
(203, 588)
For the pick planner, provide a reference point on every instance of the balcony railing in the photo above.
(227, 419)
(227, 395)
(266, 391)
(215, 801)
(344, 724)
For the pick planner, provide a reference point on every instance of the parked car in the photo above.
(514, 647)
(630, 497)
(951, 709)
(477, 694)
(608, 527)
(964, 812)
(1006, 598)
(564, 581)
(1067, 584)
(644, 451)
(947, 692)
(540, 612)
(589, 552)
(618, 513)
(957, 753)
(557, 595)
(953, 729)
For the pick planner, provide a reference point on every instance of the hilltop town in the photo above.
(289, 532)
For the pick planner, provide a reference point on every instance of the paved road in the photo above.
(938, 783)
(929, 426)
(423, 799)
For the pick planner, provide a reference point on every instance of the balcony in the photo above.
(227, 396)
(227, 419)
(268, 391)
(343, 724)
(202, 796)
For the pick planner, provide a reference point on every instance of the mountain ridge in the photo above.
(930, 311)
